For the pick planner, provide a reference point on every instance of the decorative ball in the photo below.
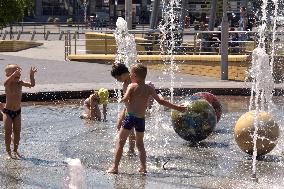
(268, 133)
(212, 99)
(197, 123)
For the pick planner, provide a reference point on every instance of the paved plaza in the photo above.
(55, 74)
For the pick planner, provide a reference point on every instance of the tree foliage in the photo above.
(13, 10)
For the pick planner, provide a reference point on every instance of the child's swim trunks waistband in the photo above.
(133, 114)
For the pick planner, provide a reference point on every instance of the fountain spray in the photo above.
(125, 42)
(169, 43)
(76, 174)
(126, 52)
(169, 32)
(262, 79)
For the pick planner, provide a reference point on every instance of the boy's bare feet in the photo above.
(142, 170)
(8, 155)
(17, 155)
(112, 170)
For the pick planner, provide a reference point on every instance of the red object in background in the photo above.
(212, 99)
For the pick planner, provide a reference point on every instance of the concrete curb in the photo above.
(64, 95)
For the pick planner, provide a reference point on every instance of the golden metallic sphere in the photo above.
(268, 133)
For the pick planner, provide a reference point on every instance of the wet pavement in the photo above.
(53, 132)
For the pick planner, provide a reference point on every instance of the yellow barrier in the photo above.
(205, 65)
(16, 45)
(210, 58)
(102, 43)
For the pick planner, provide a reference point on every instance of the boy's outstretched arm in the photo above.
(167, 103)
(33, 70)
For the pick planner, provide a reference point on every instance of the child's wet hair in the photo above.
(118, 69)
(10, 68)
(140, 70)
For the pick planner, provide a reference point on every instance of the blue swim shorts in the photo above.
(132, 121)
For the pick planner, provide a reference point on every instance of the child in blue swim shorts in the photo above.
(136, 99)
(121, 73)
(132, 121)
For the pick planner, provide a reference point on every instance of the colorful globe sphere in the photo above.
(268, 133)
(197, 123)
(212, 99)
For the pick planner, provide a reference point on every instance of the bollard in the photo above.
(46, 35)
(75, 45)
(69, 43)
(44, 31)
(61, 35)
(19, 35)
(75, 34)
(5, 35)
(33, 35)
(65, 48)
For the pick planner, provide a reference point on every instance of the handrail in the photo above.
(196, 45)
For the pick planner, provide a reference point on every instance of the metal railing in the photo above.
(53, 31)
(194, 42)
(67, 46)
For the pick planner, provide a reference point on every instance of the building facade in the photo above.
(109, 10)
(63, 9)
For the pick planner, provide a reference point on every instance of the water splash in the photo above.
(125, 42)
(170, 41)
(262, 78)
(76, 174)
(158, 150)
(263, 26)
(169, 45)
(263, 82)
(126, 53)
(274, 29)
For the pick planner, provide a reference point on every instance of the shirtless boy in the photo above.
(12, 109)
(136, 99)
(121, 74)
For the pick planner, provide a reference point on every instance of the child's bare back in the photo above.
(138, 99)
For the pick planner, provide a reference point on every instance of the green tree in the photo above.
(14, 10)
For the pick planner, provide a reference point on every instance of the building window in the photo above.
(54, 8)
